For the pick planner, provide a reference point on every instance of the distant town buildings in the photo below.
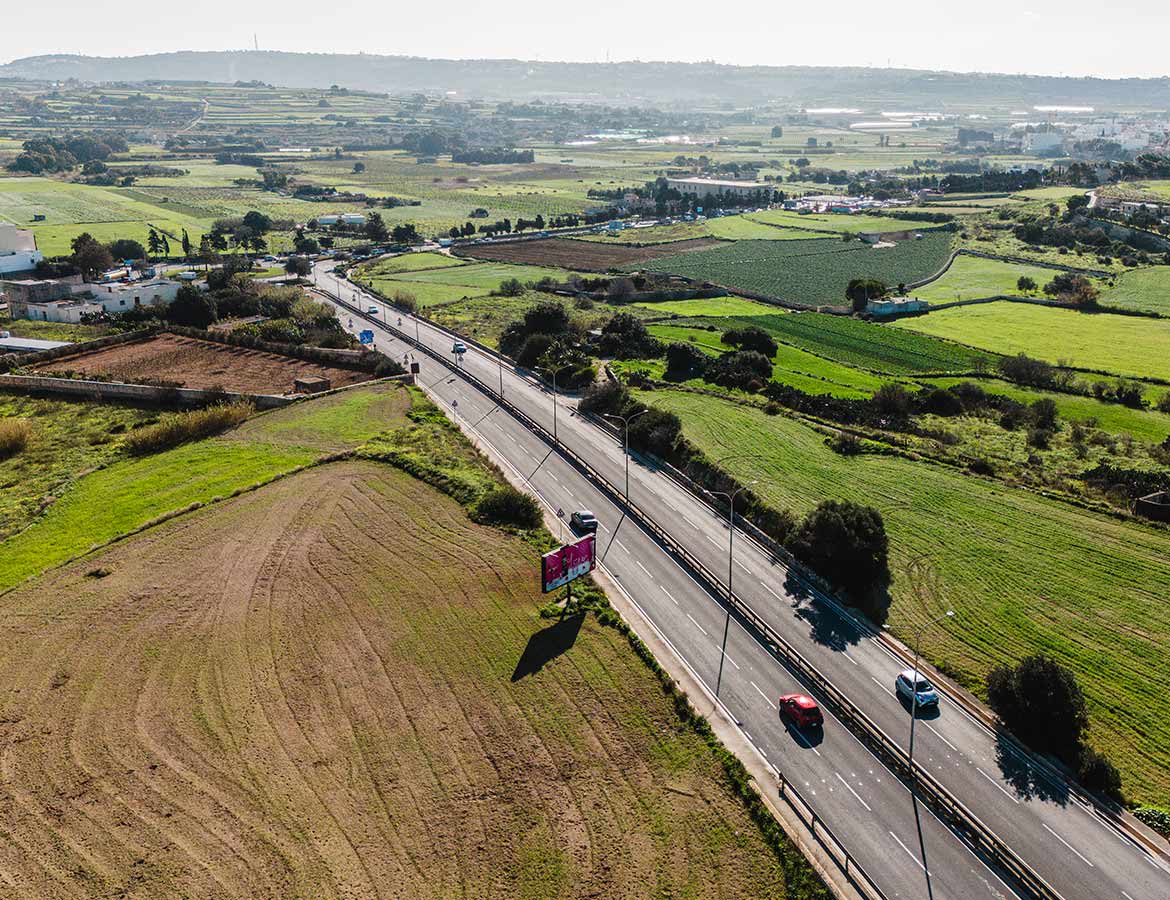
(701, 187)
(70, 300)
(18, 250)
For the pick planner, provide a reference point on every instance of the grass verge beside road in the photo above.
(1024, 573)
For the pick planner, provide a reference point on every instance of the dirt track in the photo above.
(336, 686)
(202, 365)
(582, 255)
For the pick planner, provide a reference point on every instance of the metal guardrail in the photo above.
(922, 783)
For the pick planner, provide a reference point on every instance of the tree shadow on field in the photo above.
(826, 626)
(1028, 780)
(547, 644)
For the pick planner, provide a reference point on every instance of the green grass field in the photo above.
(837, 222)
(409, 262)
(436, 283)
(52, 331)
(1147, 290)
(1143, 424)
(1123, 345)
(970, 277)
(100, 505)
(713, 306)
(808, 271)
(743, 228)
(1023, 573)
(791, 365)
(864, 345)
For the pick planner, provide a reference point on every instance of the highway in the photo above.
(905, 849)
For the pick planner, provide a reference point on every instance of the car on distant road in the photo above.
(459, 347)
(583, 520)
(801, 710)
(373, 310)
(910, 684)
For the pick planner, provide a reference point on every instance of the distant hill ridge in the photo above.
(624, 82)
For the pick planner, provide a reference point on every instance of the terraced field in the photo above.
(1023, 573)
(1123, 345)
(814, 272)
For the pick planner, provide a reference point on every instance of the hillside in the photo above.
(655, 82)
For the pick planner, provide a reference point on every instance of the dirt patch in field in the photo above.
(586, 256)
(337, 686)
(202, 365)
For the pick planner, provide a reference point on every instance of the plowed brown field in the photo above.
(566, 253)
(203, 365)
(337, 686)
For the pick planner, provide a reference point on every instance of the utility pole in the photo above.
(626, 420)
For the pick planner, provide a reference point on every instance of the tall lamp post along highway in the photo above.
(626, 420)
(730, 497)
(553, 374)
(914, 688)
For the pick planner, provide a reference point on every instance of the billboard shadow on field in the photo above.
(547, 644)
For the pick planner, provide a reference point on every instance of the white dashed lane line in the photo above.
(742, 566)
(732, 661)
(849, 788)
(998, 785)
(762, 694)
(697, 625)
(644, 569)
(670, 595)
(770, 591)
(909, 852)
(712, 540)
(882, 686)
(1084, 858)
(940, 737)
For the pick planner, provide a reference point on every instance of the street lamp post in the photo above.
(626, 420)
(914, 687)
(730, 496)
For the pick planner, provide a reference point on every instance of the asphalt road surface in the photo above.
(904, 848)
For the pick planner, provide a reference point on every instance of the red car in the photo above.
(801, 710)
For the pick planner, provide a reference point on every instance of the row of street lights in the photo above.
(729, 498)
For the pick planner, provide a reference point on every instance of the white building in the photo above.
(701, 187)
(68, 311)
(18, 249)
(1042, 141)
(121, 296)
(341, 219)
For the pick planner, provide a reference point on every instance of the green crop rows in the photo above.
(809, 271)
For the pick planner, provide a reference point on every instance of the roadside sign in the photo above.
(414, 368)
(567, 563)
(366, 337)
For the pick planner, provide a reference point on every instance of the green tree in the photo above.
(298, 265)
(1026, 285)
(862, 290)
(359, 167)
(1041, 702)
(191, 307)
(154, 243)
(90, 257)
(186, 245)
(845, 543)
(126, 248)
(376, 229)
(257, 221)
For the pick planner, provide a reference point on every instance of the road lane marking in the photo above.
(620, 544)
(644, 569)
(848, 657)
(712, 540)
(1126, 896)
(697, 625)
(770, 591)
(849, 787)
(882, 686)
(909, 852)
(732, 661)
(693, 523)
(742, 566)
(941, 738)
(762, 694)
(1067, 844)
(670, 595)
(997, 784)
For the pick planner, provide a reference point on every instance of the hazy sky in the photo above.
(1120, 38)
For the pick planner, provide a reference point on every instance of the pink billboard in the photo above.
(560, 566)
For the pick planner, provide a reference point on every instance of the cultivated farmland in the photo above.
(1023, 573)
(970, 277)
(814, 272)
(585, 255)
(1146, 290)
(865, 345)
(192, 363)
(355, 714)
(1122, 345)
